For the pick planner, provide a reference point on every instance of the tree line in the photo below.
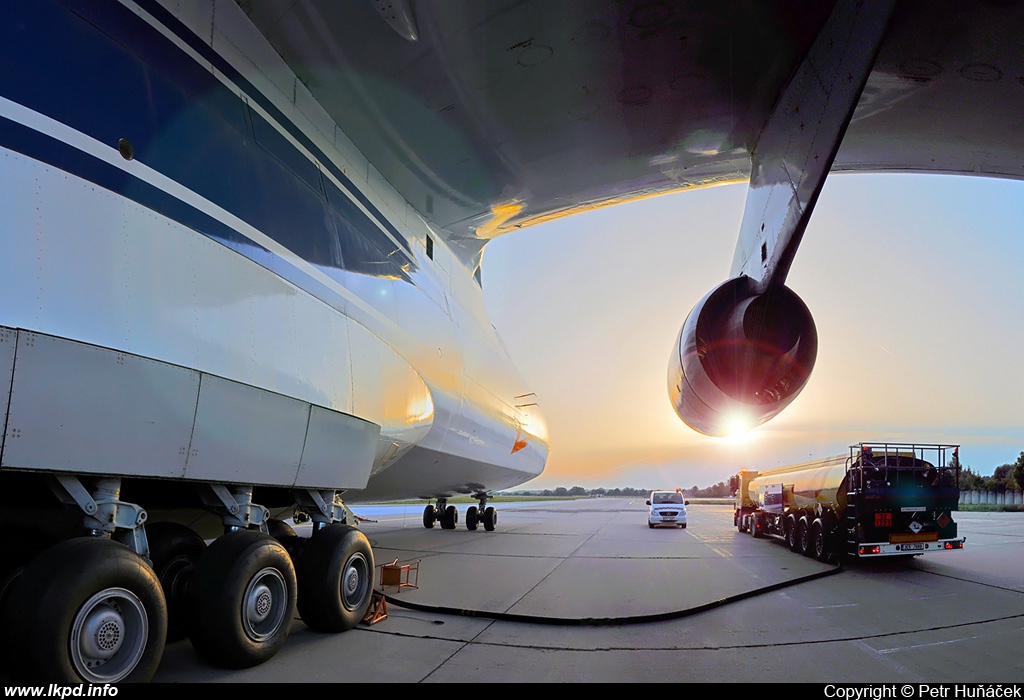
(563, 492)
(1006, 477)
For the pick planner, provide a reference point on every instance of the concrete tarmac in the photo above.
(589, 575)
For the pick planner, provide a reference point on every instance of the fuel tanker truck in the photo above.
(882, 499)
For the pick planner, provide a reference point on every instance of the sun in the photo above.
(738, 427)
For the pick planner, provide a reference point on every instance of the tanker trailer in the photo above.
(882, 499)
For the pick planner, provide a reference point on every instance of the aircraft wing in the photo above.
(490, 116)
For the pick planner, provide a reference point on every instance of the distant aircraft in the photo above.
(241, 259)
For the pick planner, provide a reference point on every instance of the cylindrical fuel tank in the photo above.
(820, 481)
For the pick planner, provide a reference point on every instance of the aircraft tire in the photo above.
(20, 546)
(335, 576)
(174, 550)
(241, 600)
(471, 518)
(450, 518)
(96, 591)
(490, 518)
(286, 535)
(429, 517)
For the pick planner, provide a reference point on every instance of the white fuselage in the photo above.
(232, 314)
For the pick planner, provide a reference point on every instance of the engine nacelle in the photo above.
(741, 357)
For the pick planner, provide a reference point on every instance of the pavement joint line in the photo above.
(465, 643)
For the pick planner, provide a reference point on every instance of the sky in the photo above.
(914, 282)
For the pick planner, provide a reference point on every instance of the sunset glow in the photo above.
(909, 280)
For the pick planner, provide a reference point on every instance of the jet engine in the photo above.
(741, 357)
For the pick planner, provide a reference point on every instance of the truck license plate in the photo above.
(918, 545)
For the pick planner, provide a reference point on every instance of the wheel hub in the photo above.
(109, 635)
(265, 604)
(353, 583)
(103, 633)
(260, 603)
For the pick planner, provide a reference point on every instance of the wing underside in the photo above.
(504, 114)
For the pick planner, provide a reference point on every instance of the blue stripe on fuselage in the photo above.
(204, 50)
(59, 154)
(103, 71)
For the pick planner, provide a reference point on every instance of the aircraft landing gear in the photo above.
(86, 610)
(337, 558)
(447, 515)
(95, 609)
(450, 518)
(175, 549)
(242, 599)
(484, 514)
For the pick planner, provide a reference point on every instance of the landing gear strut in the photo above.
(486, 514)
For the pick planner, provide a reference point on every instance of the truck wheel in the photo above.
(820, 544)
(741, 523)
(754, 522)
(803, 537)
(791, 534)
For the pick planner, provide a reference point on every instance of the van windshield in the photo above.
(667, 497)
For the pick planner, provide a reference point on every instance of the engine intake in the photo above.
(741, 357)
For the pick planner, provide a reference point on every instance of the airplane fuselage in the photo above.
(175, 204)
